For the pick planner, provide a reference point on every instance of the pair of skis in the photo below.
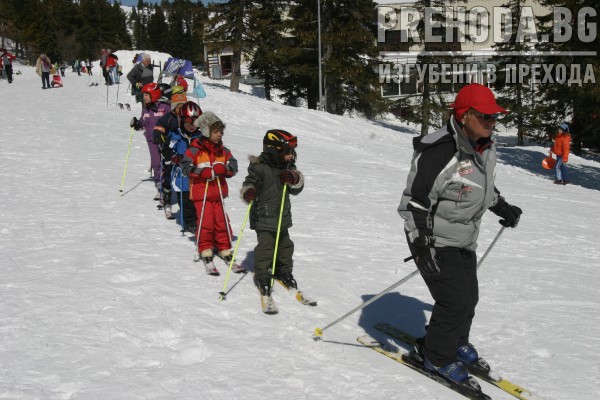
(93, 84)
(123, 106)
(491, 377)
(268, 303)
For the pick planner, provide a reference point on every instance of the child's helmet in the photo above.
(153, 90)
(280, 139)
(166, 90)
(190, 111)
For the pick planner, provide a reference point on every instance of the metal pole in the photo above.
(319, 44)
(318, 333)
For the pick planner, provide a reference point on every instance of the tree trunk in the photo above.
(236, 72)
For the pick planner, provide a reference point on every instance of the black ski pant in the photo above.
(456, 293)
(9, 72)
(265, 250)
(166, 170)
(188, 209)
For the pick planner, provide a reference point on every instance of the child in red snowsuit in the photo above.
(207, 163)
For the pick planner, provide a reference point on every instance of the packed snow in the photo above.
(101, 298)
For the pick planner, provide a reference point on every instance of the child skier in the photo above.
(179, 141)
(152, 111)
(207, 163)
(166, 124)
(267, 175)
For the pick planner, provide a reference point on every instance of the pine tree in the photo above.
(229, 29)
(518, 97)
(567, 100)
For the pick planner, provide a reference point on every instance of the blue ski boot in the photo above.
(476, 365)
(457, 374)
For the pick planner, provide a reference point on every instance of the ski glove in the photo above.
(135, 124)
(176, 159)
(219, 169)
(427, 261)
(249, 194)
(289, 176)
(206, 173)
(510, 214)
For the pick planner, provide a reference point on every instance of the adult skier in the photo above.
(449, 188)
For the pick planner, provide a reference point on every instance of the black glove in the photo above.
(510, 214)
(135, 123)
(427, 262)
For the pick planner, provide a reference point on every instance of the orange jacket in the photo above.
(562, 146)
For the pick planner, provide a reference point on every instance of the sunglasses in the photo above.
(486, 117)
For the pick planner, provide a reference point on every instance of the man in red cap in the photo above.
(450, 186)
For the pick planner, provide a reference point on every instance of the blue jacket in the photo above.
(179, 142)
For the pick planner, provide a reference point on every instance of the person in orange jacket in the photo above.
(561, 147)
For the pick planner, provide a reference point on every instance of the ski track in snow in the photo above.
(101, 298)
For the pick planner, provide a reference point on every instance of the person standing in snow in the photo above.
(152, 111)
(166, 124)
(140, 74)
(112, 67)
(103, 63)
(562, 147)
(449, 188)
(6, 59)
(267, 175)
(208, 163)
(43, 66)
(179, 140)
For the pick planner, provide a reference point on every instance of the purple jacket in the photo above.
(151, 115)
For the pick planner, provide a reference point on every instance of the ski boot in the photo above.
(456, 373)
(287, 280)
(468, 356)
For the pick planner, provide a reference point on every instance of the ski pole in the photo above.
(277, 237)
(126, 162)
(197, 258)
(490, 246)
(318, 334)
(224, 213)
(118, 87)
(237, 244)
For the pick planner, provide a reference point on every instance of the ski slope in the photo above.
(101, 298)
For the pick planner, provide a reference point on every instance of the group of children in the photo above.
(188, 157)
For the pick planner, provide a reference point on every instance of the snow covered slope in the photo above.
(101, 298)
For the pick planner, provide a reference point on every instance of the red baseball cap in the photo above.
(478, 97)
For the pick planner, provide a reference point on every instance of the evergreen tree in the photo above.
(229, 29)
(518, 97)
(566, 99)
(267, 36)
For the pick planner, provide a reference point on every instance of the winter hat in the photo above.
(478, 97)
(564, 126)
(205, 121)
(178, 98)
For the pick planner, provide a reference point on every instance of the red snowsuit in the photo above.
(200, 158)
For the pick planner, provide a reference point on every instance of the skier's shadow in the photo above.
(406, 313)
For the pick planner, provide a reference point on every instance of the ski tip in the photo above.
(318, 334)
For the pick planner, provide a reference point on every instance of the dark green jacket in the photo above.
(264, 177)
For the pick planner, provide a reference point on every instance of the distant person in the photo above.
(103, 63)
(6, 59)
(112, 64)
(89, 67)
(562, 147)
(43, 66)
(140, 75)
